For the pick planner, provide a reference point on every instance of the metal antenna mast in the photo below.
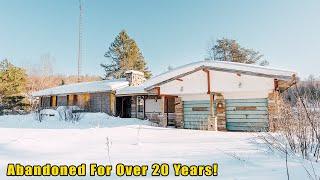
(80, 41)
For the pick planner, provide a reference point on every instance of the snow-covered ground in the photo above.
(132, 141)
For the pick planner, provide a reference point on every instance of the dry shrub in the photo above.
(297, 127)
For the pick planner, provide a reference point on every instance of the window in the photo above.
(68, 100)
(140, 103)
(169, 105)
(75, 100)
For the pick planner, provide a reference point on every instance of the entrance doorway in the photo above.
(123, 106)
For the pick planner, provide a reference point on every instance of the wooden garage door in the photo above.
(247, 114)
(196, 114)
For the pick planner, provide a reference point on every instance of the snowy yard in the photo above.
(132, 141)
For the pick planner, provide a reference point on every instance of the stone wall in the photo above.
(272, 109)
(178, 112)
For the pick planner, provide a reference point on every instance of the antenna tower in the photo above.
(80, 41)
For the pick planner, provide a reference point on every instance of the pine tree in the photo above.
(62, 82)
(12, 84)
(230, 50)
(125, 55)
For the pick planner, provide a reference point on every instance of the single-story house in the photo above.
(96, 96)
(206, 95)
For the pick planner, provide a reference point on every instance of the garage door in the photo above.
(247, 114)
(196, 114)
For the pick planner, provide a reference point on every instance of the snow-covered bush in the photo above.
(70, 113)
(62, 111)
(37, 115)
(40, 114)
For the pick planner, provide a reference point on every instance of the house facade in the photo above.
(205, 95)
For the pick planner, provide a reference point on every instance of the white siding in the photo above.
(153, 106)
(194, 86)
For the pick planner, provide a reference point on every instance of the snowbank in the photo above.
(89, 120)
(130, 141)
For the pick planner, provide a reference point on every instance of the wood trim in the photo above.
(168, 95)
(208, 80)
(158, 91)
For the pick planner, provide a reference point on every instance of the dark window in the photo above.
(75, 100)
(169, 105)
(68, 100)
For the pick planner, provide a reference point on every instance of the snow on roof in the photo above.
(134, 72)
(131, 90)
(122, 87)
(84, 87)
(219, 65)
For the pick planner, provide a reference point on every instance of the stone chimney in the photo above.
(135, 78)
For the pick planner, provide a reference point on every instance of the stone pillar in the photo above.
(134, 106)
(221, 112)
(272, 109)
(212, 125)
(212, 120)
(163, 116)
(163, 120)
(179, 112)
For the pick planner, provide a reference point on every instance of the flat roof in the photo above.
(84, 87)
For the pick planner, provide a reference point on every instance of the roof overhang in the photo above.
(274, 76)
(71, 93)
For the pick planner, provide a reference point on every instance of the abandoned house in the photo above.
(205, 95)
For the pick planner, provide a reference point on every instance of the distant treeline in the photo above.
(17, 84)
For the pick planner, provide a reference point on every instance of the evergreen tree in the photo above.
(62, 82)
(230, 50)
(12, 84)
(125, 55)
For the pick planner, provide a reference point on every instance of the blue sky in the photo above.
(168, 32)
